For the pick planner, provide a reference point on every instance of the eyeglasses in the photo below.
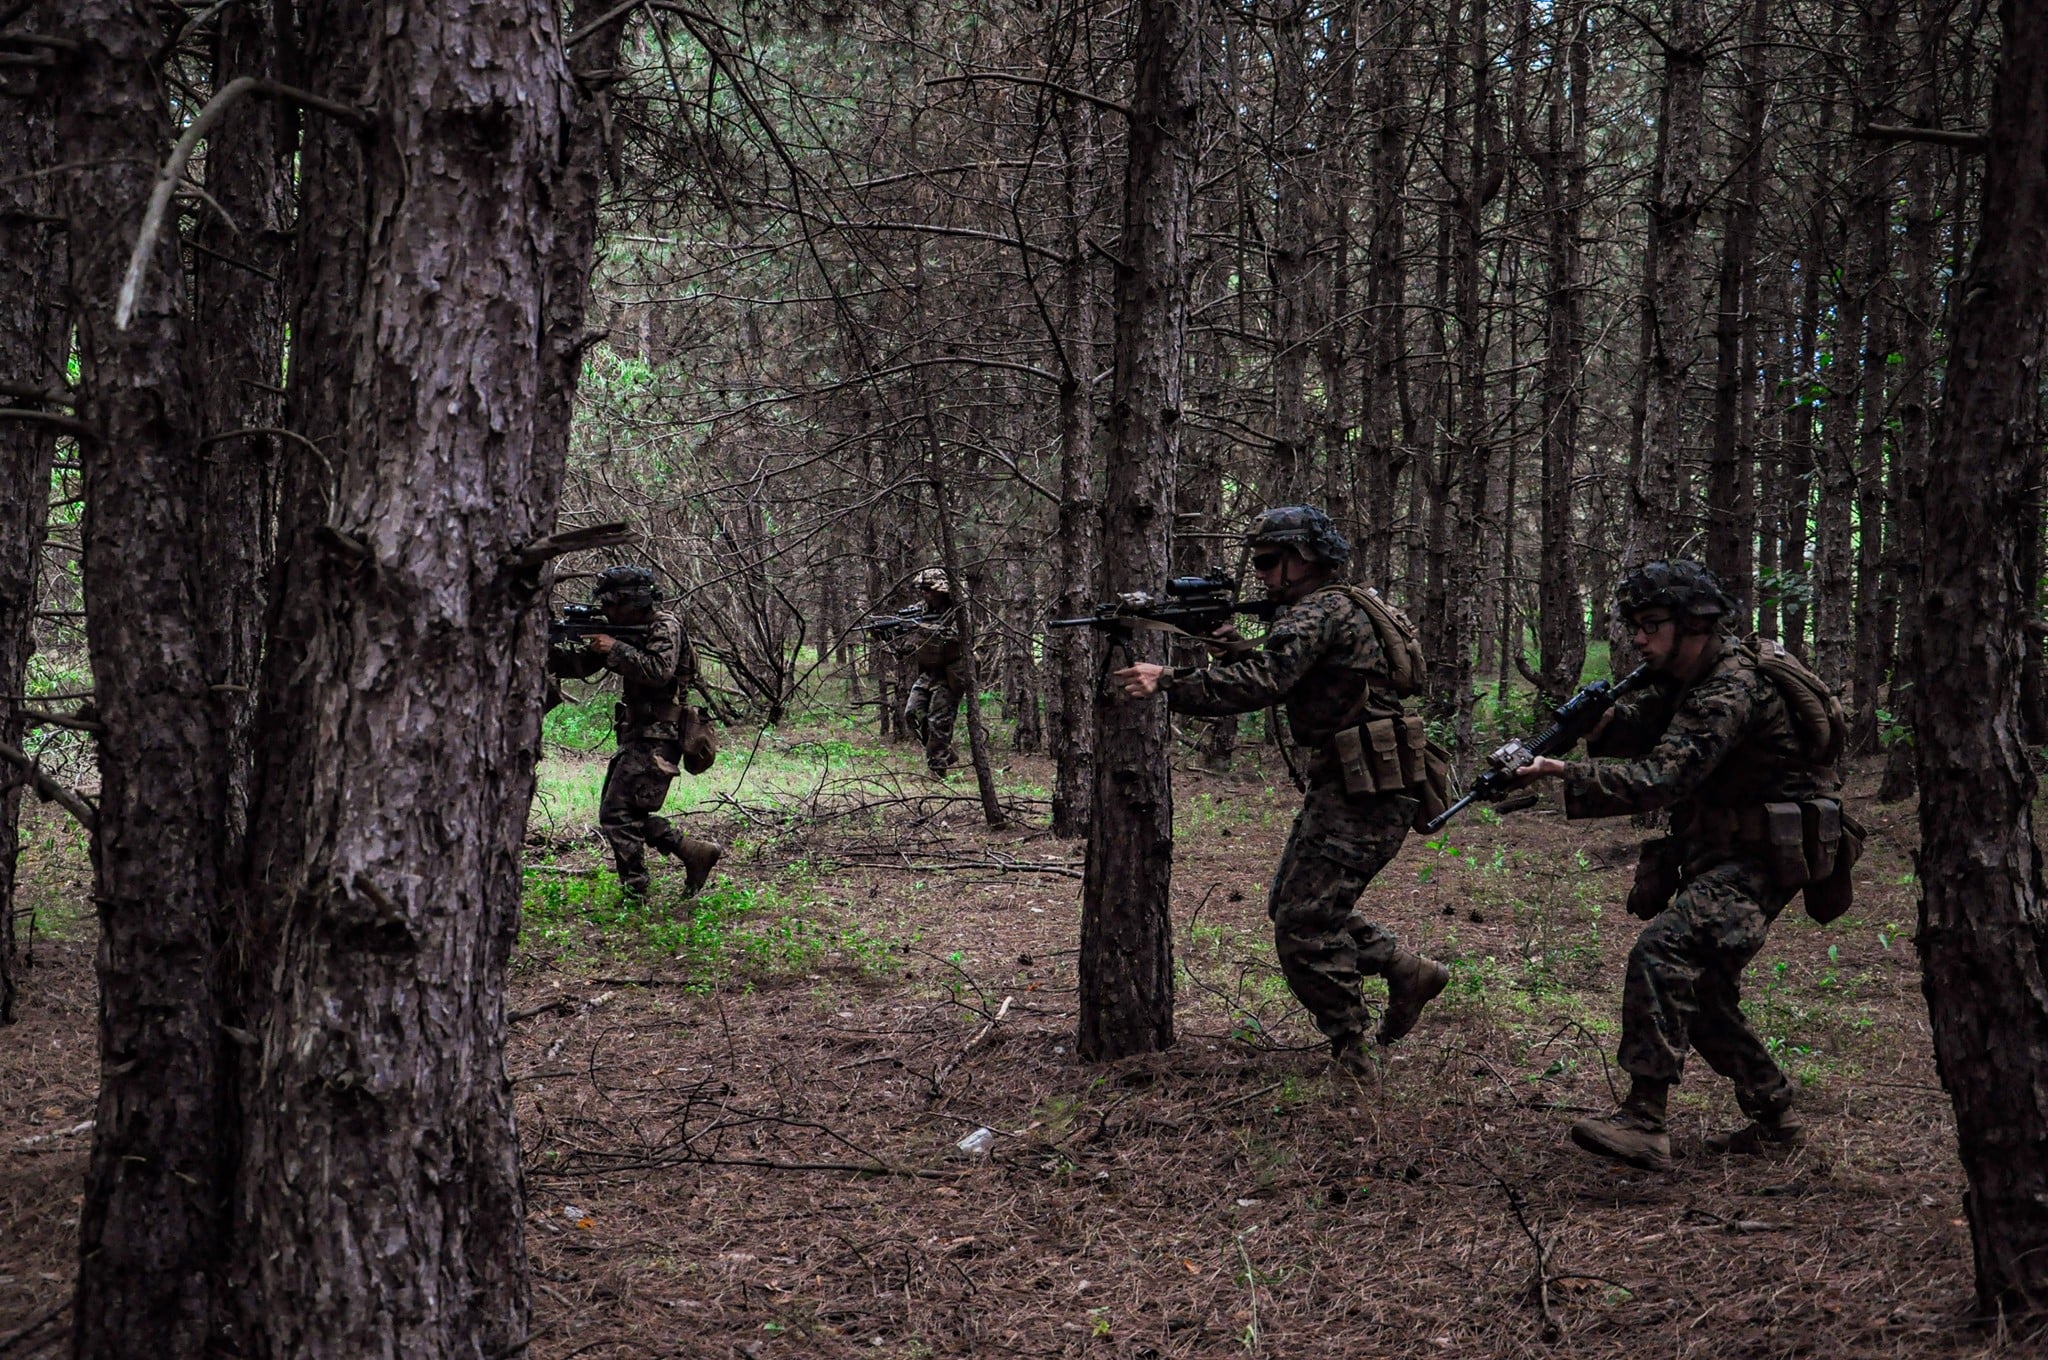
(1648, 624)
(1266, 561)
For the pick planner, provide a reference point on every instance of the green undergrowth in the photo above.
(729, 930)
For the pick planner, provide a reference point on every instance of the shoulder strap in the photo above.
(1406, 669)
(1816, 713)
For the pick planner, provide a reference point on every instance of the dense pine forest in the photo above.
(343, 345)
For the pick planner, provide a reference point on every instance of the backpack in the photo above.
(1817, 715)
(1406, 669)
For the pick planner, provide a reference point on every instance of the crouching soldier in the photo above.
(1327, 659)
(1714, 740)
(653, 661)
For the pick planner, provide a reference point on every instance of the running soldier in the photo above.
(655, 672)
(1325, 659)
(933, 647)
(1713, 740)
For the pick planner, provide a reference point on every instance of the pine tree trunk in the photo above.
(1982, 934)
(1561, 170)
(238, 308)
(1670, 342)
(1074, 653)
(1384, 433)
(147, 1230)
(381, 1187)
(32, 358)
(1126, 994)
(1731, 475)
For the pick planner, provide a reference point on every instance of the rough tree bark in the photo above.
(1383, 318)
(1731, 464)
(1290, 255)
(147, 1230)
(1561, 172)
(1670, 342)
(1126, 998)
(238, 311)
(381, 1181)
(1073, 653)
(1984, 907)
(32, 341)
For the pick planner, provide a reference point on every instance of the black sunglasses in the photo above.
(1266, 561)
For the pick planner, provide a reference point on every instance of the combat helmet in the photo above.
(1304, 528)
(1679, 584)
(626, 584)
(935, 579)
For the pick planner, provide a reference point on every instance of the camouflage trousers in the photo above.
(635, 786)
(934, 701)
(1681, 988)
(1325, 945)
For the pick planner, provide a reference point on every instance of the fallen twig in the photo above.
(970, 1045)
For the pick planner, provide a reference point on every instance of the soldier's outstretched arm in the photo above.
(1260, 678)
(1709, 721)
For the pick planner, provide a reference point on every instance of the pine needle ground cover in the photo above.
(742, 1115)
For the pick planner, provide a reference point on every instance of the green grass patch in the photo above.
(729, 929)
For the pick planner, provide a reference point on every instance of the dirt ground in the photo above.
(759, 1155)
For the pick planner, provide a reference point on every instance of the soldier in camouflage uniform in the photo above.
(1712, 740)
(654, 674)
(933, 646)
(1322, 658)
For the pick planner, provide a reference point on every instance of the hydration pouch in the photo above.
(1349, 745)
(1830, 897)
(1785, 843)
(1659, 870)
(699, 739)
(1436, 790)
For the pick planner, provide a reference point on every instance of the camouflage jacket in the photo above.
(933, 643)
(653, 676)
(1727, 741)
(1320, 658)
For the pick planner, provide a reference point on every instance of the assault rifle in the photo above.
(1190, 604)
(1569, 725)
(886, 626)
(580, 622)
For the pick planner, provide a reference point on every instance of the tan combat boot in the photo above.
(1412, 983)
(1760, 1136)
(698, 858)
(1349, 1053)
(1634, 1134)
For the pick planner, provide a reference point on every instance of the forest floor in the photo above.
(742, 1116)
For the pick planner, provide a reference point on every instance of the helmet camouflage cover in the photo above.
(933, 578)
(626, 584)
(1680, 584)
(1304, 528)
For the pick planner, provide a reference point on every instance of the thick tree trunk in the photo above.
(238, 310)
(1383, 432)
(1731, 474)
(1561, 168)
(1126, 924)
(1290, 257)
(382, 1188)
(1982, 936)
(148, 1231)
(1074, 653)
(32, 359)
(1670, 342)
(1876, 618)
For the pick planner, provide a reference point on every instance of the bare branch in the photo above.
(174, 169)
(48, 789)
